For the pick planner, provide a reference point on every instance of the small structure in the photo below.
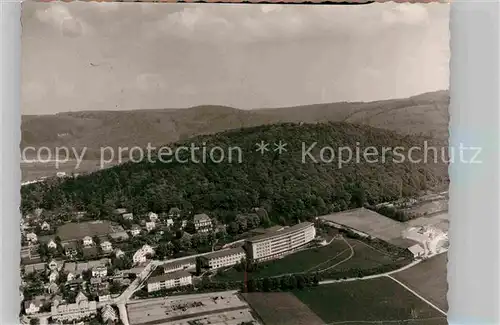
(99, 272)
(128, 216)
(87, 241)
(34, 306)
(109, 314)
(142, 254)
(45, 226)
(119, 253)
(52, 244)
(53, 276)
(150, 226)
(153, 217)
(32, 237)
(417, 251)
(135, 230)
(169, 222)
(174, 213)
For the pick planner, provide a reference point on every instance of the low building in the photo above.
(223, 258)
(72, 312)
(169, 280)
(185, 264)
(150, 226)
(153, 217)
(45, 226)
(417, 251)
(34, 306)
(99, 272)
(106, 246)
(70, 249)
(87, 241)
(55, 265)
(275, 244)
(32, 237)
(135, 230)
(174, 213)
(119, 253)
(52, 244)
(108, 313)
(53, 276)
(128, 216)
(169, 222)
(142, 254)
(120, 211)
(202, 222)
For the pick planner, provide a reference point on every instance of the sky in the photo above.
(122, 56)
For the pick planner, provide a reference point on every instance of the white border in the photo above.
(473, 273)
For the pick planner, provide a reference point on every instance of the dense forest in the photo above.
(288, 188)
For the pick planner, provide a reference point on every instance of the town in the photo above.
(120, 270)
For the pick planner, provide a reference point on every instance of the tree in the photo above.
(199, 265)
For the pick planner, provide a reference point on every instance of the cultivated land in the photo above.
(375, 301)
(31, 171)
(281, 308)
(340, 254)
(371, 223)
(428, 279)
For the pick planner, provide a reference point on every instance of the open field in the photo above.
(281, 308)
(336, 255)
(370, 223)
(377, 301)
(35, 170)
(428, 279)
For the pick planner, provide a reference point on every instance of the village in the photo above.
(93, 271)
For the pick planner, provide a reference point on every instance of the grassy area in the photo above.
(281, 308)
(378, 300)
(428, 279)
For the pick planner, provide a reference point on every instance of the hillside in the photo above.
(426, 114)
(285, 185)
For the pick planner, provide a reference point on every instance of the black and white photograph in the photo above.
(235, 164)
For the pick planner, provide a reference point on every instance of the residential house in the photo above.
(119, 253)
(103, 296)
(153, 217)
(70, 277)
(55, 265)
(33, 306)
(128, 216)
(98, 285)
(150, 226)
(53, 276)
(174, 213)
(169, 280)
(202, 222)
(70, 249)
(135, 230)
(52, 288)
(45, 226)
(32, 237)
(120, 211)
(72, 312)
(52, 244)
(87, 241)
(99, 271)
(75, 284)
(184, 224)
(169, 222)
(108, 313)
(142, 254)
(106, 246)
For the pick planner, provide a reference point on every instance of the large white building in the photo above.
(277, 243)
(71, 312)
(202, 222)
(169, 280)
(224, 258)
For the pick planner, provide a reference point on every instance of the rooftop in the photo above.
(169, 276)
(201, 217)
(289, 230)
(224, 252)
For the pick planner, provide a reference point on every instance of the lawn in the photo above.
(428, 279)
(377, 300)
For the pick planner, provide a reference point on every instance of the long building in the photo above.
(277, 243)
(169, 280)
(223, 258)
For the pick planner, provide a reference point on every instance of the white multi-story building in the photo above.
(169, 280)
(202, 222)
(71, 312)
(224, 258)
(141, 255)
(277, 243)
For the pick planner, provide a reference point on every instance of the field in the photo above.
(281, 308)
(339, 254)
(376, 301)
(428, 279)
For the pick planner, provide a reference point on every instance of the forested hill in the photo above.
(282, 183)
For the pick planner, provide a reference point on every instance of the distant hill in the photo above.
(426, 114)
(289, 188)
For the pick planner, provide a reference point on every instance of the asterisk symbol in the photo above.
(262, 147)
(280, 147)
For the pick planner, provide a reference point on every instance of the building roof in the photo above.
(77, 231)
(169, 276)
(285, 231)
(415, 249)
(224, 252)
(201, 217)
